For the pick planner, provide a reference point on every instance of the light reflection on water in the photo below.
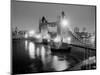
(38, 52)
(32, 50)
(49, 61)
(43, 53)
(26, 45)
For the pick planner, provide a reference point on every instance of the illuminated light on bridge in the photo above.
(26, 35)
(47, 36)
(31, 33)
(57, 39)
(38, 36)
(64, 22)
(67, 40)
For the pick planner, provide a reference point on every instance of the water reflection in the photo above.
(38, 51)
(26, 45)
(30, 57)
(32, 50)
(43, 53)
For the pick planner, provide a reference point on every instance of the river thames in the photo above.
(31, 57)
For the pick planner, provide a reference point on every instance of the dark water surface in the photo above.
(30, 57)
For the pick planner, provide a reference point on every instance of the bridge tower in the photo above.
(49, 27)
(42, 24)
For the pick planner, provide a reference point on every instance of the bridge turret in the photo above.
(63, 14)
(42, 23)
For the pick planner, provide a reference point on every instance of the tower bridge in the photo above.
(55, 29)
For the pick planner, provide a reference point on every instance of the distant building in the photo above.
(76, 29)
(16, 33)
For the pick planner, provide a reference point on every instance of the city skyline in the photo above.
(26, 15)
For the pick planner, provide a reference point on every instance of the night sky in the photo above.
(26, 15)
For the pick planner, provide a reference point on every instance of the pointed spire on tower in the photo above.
(63, 14)
(44, 19)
